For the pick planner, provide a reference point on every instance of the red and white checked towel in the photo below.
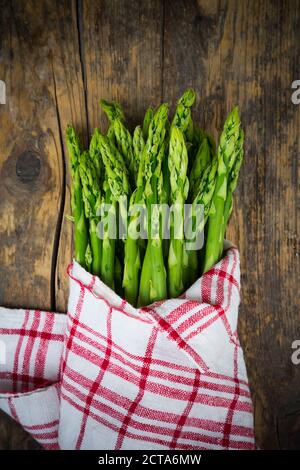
(109, 376)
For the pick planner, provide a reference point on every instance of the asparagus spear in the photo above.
(138, 145)
(95, 155)
(111, 134)
(182, 118)
(147, 120)
(118, 276)
(193, 148)
(134, 247)
(232, 183)
(115, 168)
(198, 136)
(108, 242)
(153, 276)
(113, 110)
(80, 223)
(117, 178)
(132, 259)
(200, 163)
(125, 146)
(203, 196)
(153, 285)
(178, 163)
(91, 196)
(227, 154)
(165, 200)
(122, 136)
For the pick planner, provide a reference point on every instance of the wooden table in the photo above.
(58, 58)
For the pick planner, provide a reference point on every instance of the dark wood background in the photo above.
(58, 58)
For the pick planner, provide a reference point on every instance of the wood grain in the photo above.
(13, 437)
(122, 56)
(59, 58)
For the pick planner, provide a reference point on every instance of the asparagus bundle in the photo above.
(122, 183)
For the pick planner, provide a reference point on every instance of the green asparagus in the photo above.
(91, 196)
(81, 238)
(227, 154)
(147, 120)
(153, 285)
(178, 163)
(182, 118)
(108, 239)
(202, 197)
(122, 136)
(160, 164)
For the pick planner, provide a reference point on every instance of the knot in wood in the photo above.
(28, 167)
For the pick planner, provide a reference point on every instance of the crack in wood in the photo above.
(61, 206)
(79, 23)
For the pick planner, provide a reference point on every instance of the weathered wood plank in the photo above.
(40, 64)
(122, 54)
(13, 437)
(247, 53)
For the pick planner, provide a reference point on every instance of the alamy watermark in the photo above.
(296, 354)
(296, 94)
(2, 92)
(158, 221)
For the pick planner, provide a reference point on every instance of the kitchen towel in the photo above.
(109, 376)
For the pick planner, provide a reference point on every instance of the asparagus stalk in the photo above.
(193, 148)
(80, 224)
(227, 154)
(132, 260)
(203, 197)
(146, 123)
(110, 265)
(198, 136)
(178, 164)
(200, 163)
(108, 242)
(138, 143)
(133, 246)
(118, 276)
(115, 168)
(111, 134)
(153, 284)
(91, 196)
(182, 117)
(113, 110)
(233, 178)
(117, 178)
(96, 242)
(122, 136)
(165, 200)
(125, 146)
(95, 155)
